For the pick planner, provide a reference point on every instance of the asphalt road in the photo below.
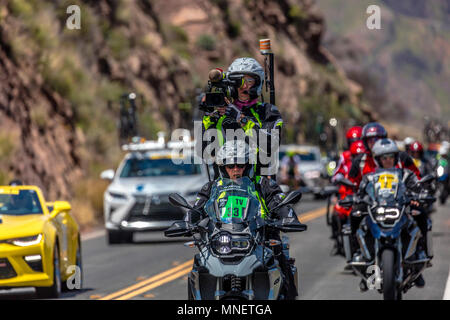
(155, 267)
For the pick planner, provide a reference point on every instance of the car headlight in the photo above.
(117, 196)
(25, 241)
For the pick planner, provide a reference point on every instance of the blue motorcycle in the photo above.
(388, 234)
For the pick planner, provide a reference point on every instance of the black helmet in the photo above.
(373, 130)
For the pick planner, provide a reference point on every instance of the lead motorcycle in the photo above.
(388, 235)
(236, 260)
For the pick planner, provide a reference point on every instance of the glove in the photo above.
(233, 112)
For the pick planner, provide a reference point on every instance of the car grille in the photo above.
(6, 270)
(154, 208)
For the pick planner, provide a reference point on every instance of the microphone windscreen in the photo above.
(215, 75)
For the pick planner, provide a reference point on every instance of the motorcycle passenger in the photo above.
(233, 161)
(290, 174)
(245, 111)
(386, 156)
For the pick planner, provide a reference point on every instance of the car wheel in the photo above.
(54, 291)
(116, 236)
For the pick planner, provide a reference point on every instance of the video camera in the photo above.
(219, 87)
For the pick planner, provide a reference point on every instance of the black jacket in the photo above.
(268, 189)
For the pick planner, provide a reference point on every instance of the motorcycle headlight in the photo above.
(440, 171)
(25, 241)
(223, 244)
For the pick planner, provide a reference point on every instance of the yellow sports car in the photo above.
(39, 243)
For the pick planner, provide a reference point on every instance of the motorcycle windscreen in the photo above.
(387, 187)
(233, 201)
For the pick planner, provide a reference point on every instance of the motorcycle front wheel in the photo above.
(390, 289)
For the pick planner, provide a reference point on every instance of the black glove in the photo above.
(233, 112)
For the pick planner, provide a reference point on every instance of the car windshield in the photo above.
(304, 156)
(157, 167)
(19, 202)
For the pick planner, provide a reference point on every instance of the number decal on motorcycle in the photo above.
(234, 207)
(386, 180)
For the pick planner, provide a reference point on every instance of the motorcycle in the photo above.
(236, 260)
(443, 179)
(336, 218)
(388, 235)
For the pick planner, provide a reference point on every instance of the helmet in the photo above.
(16, 182)
(382, 147)
(372, 130)
(408, 141)
(353, 134)
(251, 67)
(416, 147)
(234, 152)
(357, 147)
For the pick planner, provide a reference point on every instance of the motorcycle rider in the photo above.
(233, 160)
(407, 142)
(245, 111)
(345, 161)
(417, 153)
(289, 173)
(386, 155)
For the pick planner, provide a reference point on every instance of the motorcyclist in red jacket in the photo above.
(345, 161)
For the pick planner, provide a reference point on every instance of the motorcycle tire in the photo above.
(390, 290)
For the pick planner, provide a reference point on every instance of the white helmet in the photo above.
(251, 67)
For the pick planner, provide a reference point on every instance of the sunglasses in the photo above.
(231, 166)
(248, 81)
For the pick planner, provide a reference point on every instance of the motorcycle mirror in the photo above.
(291, 198)
(426, 179)
(289, 225)
(178, 201)
(178, 229)
(347, 202)
(347, 183)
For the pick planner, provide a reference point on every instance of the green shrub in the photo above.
(206, 42)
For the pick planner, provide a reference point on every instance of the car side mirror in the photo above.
(107, 174)
(60, 206)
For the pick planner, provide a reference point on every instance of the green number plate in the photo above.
(234, 207)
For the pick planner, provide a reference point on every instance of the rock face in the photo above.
(38, 126)
(57, 128)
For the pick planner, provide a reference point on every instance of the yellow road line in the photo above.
(181, 270)
(312, 214)
(156, 284)
(148, 281)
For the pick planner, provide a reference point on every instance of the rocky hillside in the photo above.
(58, 129)
(404, 67)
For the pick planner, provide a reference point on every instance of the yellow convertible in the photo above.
(39, 243)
